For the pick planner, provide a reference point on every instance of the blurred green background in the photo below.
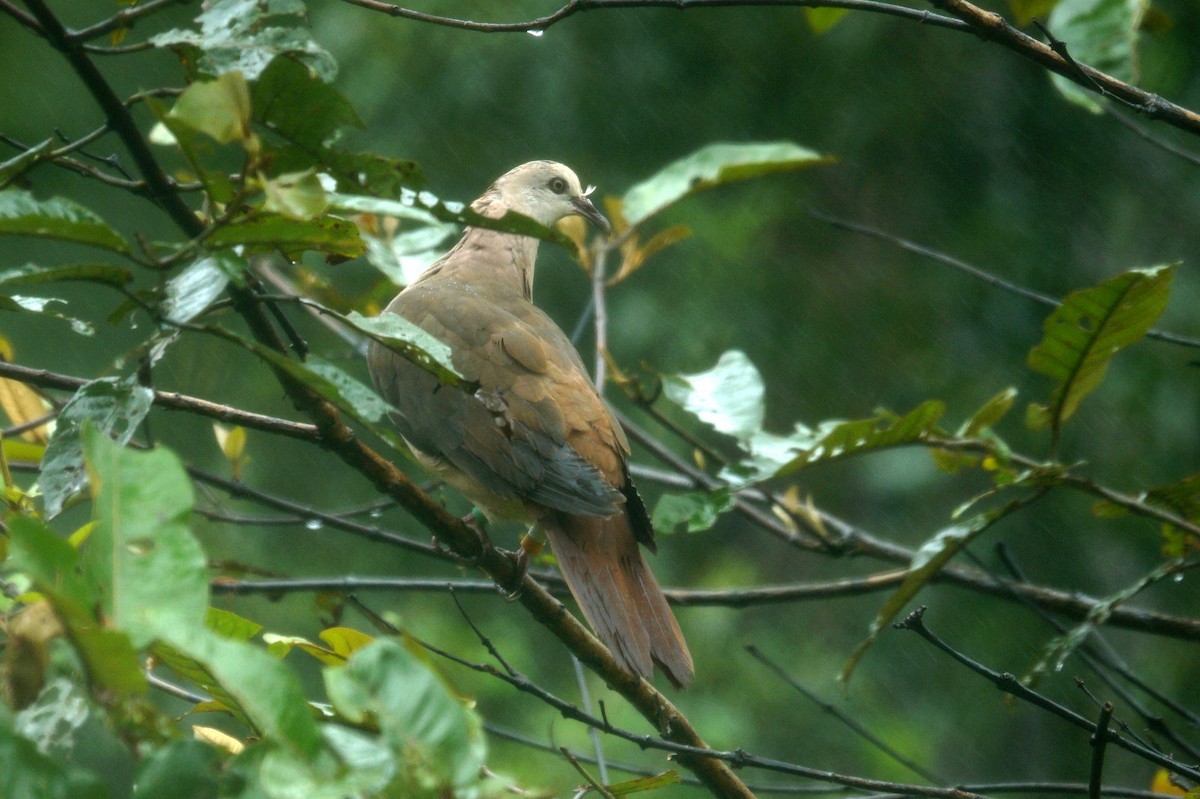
(940, 138)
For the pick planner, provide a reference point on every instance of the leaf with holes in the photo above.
(1084, 333)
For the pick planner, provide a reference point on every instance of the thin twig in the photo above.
(1011, 685)
(854, 726)
(974, 271)
(1099, 742)
(573, 7)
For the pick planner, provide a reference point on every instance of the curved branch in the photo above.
(573, 7)
(995, 28)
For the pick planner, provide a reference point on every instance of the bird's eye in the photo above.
(558, 185)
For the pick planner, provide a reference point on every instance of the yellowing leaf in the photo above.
(22, 404)
(345, 641)
(215, 737)
(218, 108)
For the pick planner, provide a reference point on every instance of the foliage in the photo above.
(125, 675)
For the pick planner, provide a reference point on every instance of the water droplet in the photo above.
(314, 524)
(1177, 578)
(535, 33)
(375, 513)
(1058, 666)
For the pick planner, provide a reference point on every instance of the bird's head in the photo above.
(542, 190)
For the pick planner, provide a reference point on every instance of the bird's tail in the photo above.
(620, 598)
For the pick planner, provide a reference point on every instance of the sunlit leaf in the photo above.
(193, 289)
(22, 404)
(714, 165)
(246, 35)
(729, 397)
(1102, 34)
(115, 406)
(1084, 333)
(57, 218)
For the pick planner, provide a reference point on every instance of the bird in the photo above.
(534, 441)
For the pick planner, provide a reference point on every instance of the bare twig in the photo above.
(1011, 685)
(573, 7)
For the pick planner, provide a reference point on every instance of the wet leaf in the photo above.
(32, 274)
(113, 405)
(219, 108)
(714, 165)
(1084, 333)
(291, 100)
(434, 734)
(1102, 34)
(327, 235)
(694, 511)
(194, 289)
(246, 35)
(57, 218)
(150, 572)
(729, 397)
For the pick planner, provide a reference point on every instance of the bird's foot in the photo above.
(477, 523)
(531, 547)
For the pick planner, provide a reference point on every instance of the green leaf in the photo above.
(1102, 34)
(1087, 330)
(265, 691)
(370, 174)
(403, 337)
(183, 769)
(32, 274)
(57, 218)
(115, 406)
(151, 573)
(695, 510)
(296, 195)
(439, 738)
(327, 235)
(29, 773)
(654, 782)
(404, 253)
(426, 205)
(217, 108)
(289, 99)
(989, 414)
(193, 289)
(40, 306)
(1027, 10)
(366, 403)
(230, 625)
(822, 19)
(714, 165)
(23, 161)
(927, 561)
(53, 566)
(354, 403)
(246, 35)
(729, 397)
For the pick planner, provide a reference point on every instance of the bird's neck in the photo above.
(502, 260)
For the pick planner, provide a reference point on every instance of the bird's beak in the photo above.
(583, 206)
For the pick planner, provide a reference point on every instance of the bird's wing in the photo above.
(535, 429)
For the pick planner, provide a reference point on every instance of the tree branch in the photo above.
(579, 6)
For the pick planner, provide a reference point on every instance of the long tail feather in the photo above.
(618, 594)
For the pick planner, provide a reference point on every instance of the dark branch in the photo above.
(579, 6)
